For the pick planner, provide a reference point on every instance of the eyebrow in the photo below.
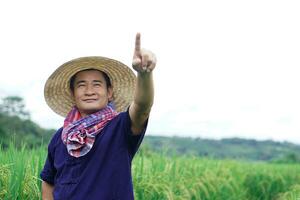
(97, 81)
(83, 81)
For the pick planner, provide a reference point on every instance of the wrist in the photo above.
(144, 74)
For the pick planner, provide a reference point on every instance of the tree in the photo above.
(14, 106)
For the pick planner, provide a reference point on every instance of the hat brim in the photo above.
(57, 92)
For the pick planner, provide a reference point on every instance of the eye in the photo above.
(80, 85)
(97, 84)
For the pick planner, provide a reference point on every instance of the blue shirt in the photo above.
(104, 173)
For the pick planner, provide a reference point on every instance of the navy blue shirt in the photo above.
(104, 173)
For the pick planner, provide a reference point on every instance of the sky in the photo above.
(224, 68)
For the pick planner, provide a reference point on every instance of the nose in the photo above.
(89, 90)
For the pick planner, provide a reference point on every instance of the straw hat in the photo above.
(58, 94)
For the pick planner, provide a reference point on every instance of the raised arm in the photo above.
(144, 62)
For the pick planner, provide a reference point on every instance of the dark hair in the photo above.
(72, 79)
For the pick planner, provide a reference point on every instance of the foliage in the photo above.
(187, 177)
(19, 172)
(14, 125)
(233, 148)
(288, 158)
(292, 194)
(158, 176)
(14, 106)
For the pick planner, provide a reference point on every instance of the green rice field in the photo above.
(157, 176)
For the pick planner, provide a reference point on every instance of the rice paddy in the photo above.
(158, 177)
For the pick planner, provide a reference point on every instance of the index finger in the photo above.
(138, 42)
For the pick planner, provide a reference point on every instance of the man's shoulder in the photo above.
(121, 118)
(58, 132)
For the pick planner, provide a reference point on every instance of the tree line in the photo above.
(16, 126)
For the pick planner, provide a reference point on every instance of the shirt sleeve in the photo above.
(48, 173)
(133, 141)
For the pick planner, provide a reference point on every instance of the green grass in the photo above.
(19, 173)
(156, 176)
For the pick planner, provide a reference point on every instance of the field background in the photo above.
(159, 176)
(170, 168)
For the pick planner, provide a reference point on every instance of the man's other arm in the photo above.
(47, 191)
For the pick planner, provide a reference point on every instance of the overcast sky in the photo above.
(225, 68)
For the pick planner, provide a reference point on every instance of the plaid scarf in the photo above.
(79, 133)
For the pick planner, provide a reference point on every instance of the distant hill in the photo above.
(22, 131)
(232, 148)
(26, 131)
(16, 126)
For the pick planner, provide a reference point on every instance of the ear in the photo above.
(110, 93)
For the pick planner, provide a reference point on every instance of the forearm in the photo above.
(143, 99)
(144, 92)
(47, 191)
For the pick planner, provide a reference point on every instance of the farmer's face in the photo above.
(90, 92)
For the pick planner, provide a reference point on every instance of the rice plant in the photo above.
(292, 194)
(161, 177)
(19, 170)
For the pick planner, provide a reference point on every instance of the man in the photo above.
(106, 110)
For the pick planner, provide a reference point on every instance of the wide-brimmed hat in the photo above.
(57, 88)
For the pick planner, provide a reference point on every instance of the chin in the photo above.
(91, 110)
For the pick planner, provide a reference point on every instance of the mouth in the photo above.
(89, 100)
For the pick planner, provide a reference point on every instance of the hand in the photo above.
(144, 61)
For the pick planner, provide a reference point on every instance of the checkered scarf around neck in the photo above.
(79, 133)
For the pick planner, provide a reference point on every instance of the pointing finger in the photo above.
(137, 43)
